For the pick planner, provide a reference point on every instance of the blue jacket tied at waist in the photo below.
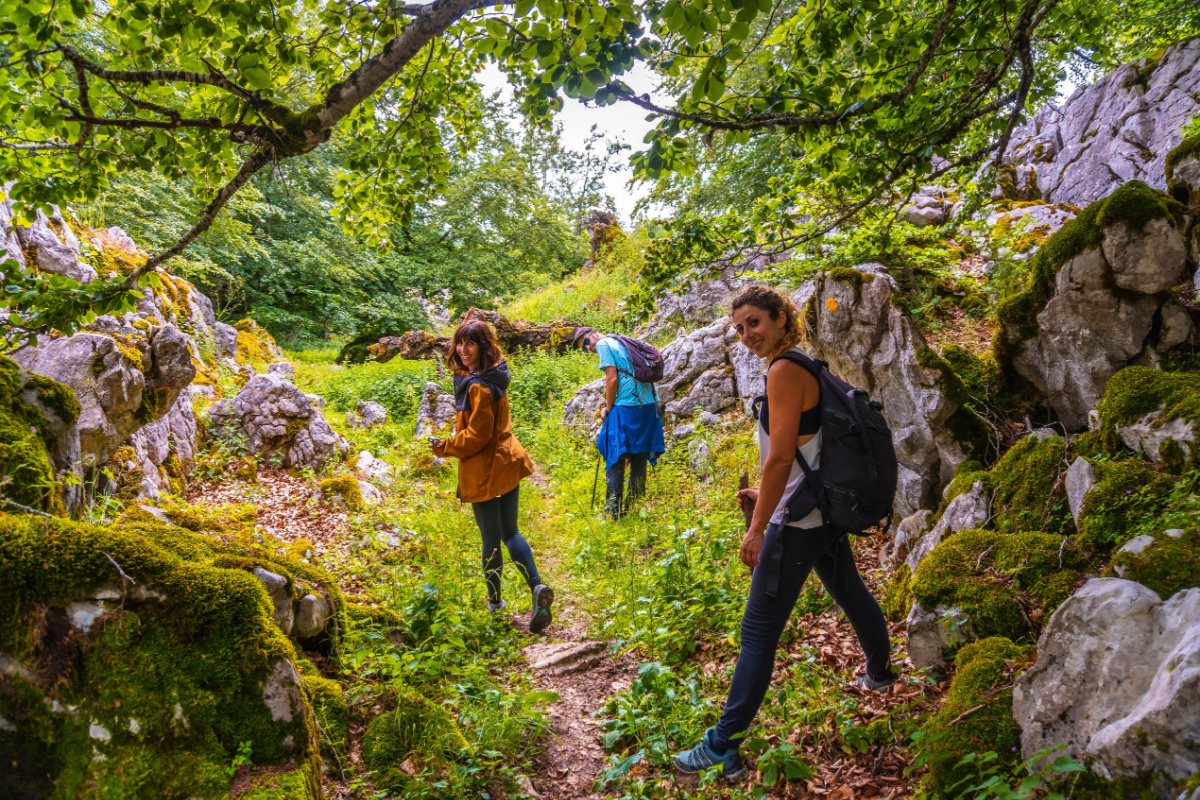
(631, 429)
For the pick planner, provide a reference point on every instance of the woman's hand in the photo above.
(437, 446)
(752, 545)
(747, 499)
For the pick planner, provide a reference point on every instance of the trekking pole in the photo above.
(595, 481)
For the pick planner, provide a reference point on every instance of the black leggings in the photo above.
(766, 616)
(497, 521)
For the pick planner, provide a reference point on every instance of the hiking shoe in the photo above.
(496, 608)
(543, 596)
(877, 683)
(703, 756)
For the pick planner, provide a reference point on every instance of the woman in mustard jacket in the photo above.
(491, 461)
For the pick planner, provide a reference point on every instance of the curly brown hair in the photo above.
(481, 334)
(775, 304)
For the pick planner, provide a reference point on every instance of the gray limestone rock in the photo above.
(1117, 683)
(748, 373)
(1176, 325)
(913, 491)
(317, 400)
(968, 511)
(713, 390)
(873, 345)
(275, 419)
(282, 693)
(581, 415)
(281, 597)
(1120, 128)
(1081, 476)
(698, 458)
(312, 616)
(690, 356)
(436, 411)
(155, 443)
(54, 246)
(374, 469)
(282, 368)
(1148, 434)
(370, 495)
(929, 634)
(370, 414)
(910, 530)
(1088, 330)
(226, 336)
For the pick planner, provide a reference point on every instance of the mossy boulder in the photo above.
(419, 734)
(329, 704)
(1006, 584)
(977, 716)
(30, 439)
(1027, 494)
(343, 489)
(1104, 272)
(1169, 565)
(1154, 412)
(1125, 494)
(164, 675)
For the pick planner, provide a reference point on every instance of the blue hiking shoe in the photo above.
(877, 683)
(703, 756)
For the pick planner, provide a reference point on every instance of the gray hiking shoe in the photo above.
(877, 683)
(703, 756)
(543, 596)
(497, 608)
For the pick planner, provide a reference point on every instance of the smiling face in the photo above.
(468, 353)
(757, 329)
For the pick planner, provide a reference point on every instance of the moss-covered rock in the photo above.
(1137, 392)
(1125, 494)
(27, 473)
(344, 487)
(418, 730)
(1025, 483)
(977, 716)
(1006, 583)
(964, 424)
(898, 595)
(329, 704)
(1167, 566)
(1188, 149)
(1133, 204)
(164, 676)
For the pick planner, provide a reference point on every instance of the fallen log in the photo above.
(555, 336)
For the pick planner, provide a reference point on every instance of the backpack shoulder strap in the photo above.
(813, 365)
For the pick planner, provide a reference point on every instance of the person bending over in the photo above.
(781, 552)
(632, 433)
(491, 462)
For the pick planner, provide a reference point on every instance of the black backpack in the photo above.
(856, 483)
(646, 360)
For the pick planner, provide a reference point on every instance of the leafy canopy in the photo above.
(870, 93)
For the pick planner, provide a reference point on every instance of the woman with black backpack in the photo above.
(781, 552)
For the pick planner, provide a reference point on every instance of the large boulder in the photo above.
(581, 414)
(970, 510)
(873, 344)
(165, 449)
(436, 410)
(697, 373)
(1119, 129)
(276, 420)
(121, 383)
(1117, 684)
(53, 247)
(1096, 290)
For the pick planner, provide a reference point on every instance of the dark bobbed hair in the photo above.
(481, 334)
(776, 305)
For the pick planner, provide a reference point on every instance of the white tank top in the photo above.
(812, 454)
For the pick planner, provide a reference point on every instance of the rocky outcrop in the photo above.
(119, 387)
(928, 207)
(1119, 129)
(556, 336)
(874, 345)
(166, 449)
(581, 415)
(367, 414)
(436, 410)
(272, 418)
(1096, 292)
(697, 373)
(1117, 683)
(969, 510)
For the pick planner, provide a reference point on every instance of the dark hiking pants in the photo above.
(497, 521)
(617, 500)
(803, 550)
